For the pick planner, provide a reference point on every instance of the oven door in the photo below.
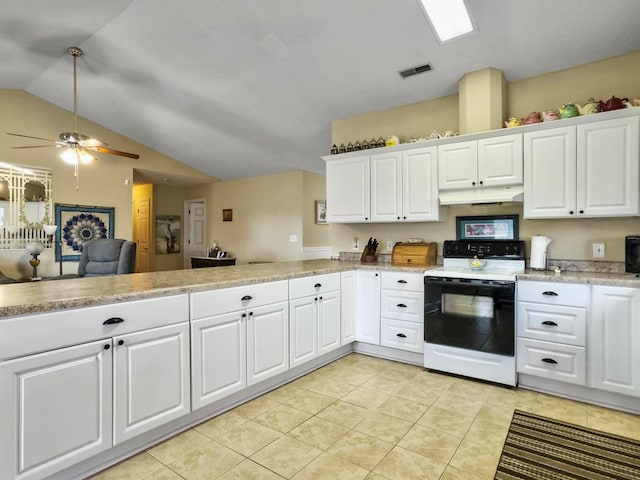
(471, 314)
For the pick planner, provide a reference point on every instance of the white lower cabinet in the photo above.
(218, 357)
(368, 306)
(614, 340)
(402, 311)
(65, 403)
(314, 316)
(348, 293)
(239, 337)
(56, 409)
(267, 342)
(551, 329)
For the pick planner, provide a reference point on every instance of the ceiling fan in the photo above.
(77, 147)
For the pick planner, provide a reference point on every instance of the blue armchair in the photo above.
(107, 256)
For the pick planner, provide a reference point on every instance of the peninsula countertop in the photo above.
(45, 296)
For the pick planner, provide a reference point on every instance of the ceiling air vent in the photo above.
(415, 70)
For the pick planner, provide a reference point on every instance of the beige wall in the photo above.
(313, 188)
(266, 211)
(102, 183)
(572, 238)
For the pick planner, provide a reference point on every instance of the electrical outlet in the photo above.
(389, 245)
(598, 250)
(356, 243)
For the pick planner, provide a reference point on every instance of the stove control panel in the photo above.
(484, 249)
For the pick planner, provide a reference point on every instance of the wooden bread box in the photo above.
(414, 254)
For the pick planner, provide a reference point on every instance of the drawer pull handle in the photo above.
(549, 360)
(401, 335)
(107, 347)
(120, 342)
(549, 293)
(550, 323)
(401, 305)
(402, 281)
(246, 297)
(317, 285)
(113, 321)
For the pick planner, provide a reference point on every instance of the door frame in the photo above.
(187, 228)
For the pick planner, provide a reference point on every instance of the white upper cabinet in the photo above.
(588, 170)
(348, 190)
(404, 186)
(488, 162)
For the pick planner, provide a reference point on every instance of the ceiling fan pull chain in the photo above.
(75, 173)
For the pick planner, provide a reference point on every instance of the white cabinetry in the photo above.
(348, 294)
(117, 369)
(404, 186)
(348, 192)
(402, 311)
(239, 336)
(588, 170)
(488, 162)
(551, 330)
(314, 316)
(614, 340)
(368, 306)
(151, 383)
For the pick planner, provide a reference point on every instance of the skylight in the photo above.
(449, 18)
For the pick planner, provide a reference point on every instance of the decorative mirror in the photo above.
(35, 209)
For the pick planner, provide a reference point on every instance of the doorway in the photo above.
(142, 215)
(195, 234)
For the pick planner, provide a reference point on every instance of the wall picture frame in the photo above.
(168, 234)
(321, 212)
(227, 214)
(78, 224)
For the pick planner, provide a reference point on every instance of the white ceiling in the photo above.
(243, 88)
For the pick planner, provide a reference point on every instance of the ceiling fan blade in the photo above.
(29, 136)
(37, 146)
(92, 142)
(113, 152)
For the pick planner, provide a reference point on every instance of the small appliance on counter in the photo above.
(632, 254)
(539, 244)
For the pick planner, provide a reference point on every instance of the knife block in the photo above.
(368, 255)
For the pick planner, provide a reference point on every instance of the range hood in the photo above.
(482, 195)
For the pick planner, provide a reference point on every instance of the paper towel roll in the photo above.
(538, 260)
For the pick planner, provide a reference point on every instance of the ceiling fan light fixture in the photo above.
(449, 18)
(74, 156)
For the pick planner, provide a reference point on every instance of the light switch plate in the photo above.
(598, 250)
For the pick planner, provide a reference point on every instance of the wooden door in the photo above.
(142, 213)
(196, 238)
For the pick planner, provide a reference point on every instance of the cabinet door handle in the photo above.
(570, 212)
(401, 305)
(550, 323)
(113, 320)
(549, 293)
(317, 285)
(481, 182)
(315, 299)
(120, 342)
(581, 212)
(107, 347)
(246, 297)
(402, 281)
(401, 335)
(251, 314)
(244, 315)
(473, 183)
(549, 360)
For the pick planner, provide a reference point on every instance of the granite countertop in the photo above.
(591, 278)
(36, 297)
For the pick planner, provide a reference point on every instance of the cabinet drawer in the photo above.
(215, 302)
(47, 331)
(552, 323)
(569, 294)
(403, 281)
(565, 363)
(402, 335)
(408, 306)
(305, 286)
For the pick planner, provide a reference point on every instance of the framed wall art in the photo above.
(321, 212)
(78, 224)
(167, 234)
(487, 227)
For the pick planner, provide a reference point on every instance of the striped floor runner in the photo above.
(539, 448)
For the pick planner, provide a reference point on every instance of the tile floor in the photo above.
(360, 418)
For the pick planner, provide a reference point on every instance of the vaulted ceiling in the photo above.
(243, 88)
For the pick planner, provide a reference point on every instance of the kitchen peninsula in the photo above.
(94, 370)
